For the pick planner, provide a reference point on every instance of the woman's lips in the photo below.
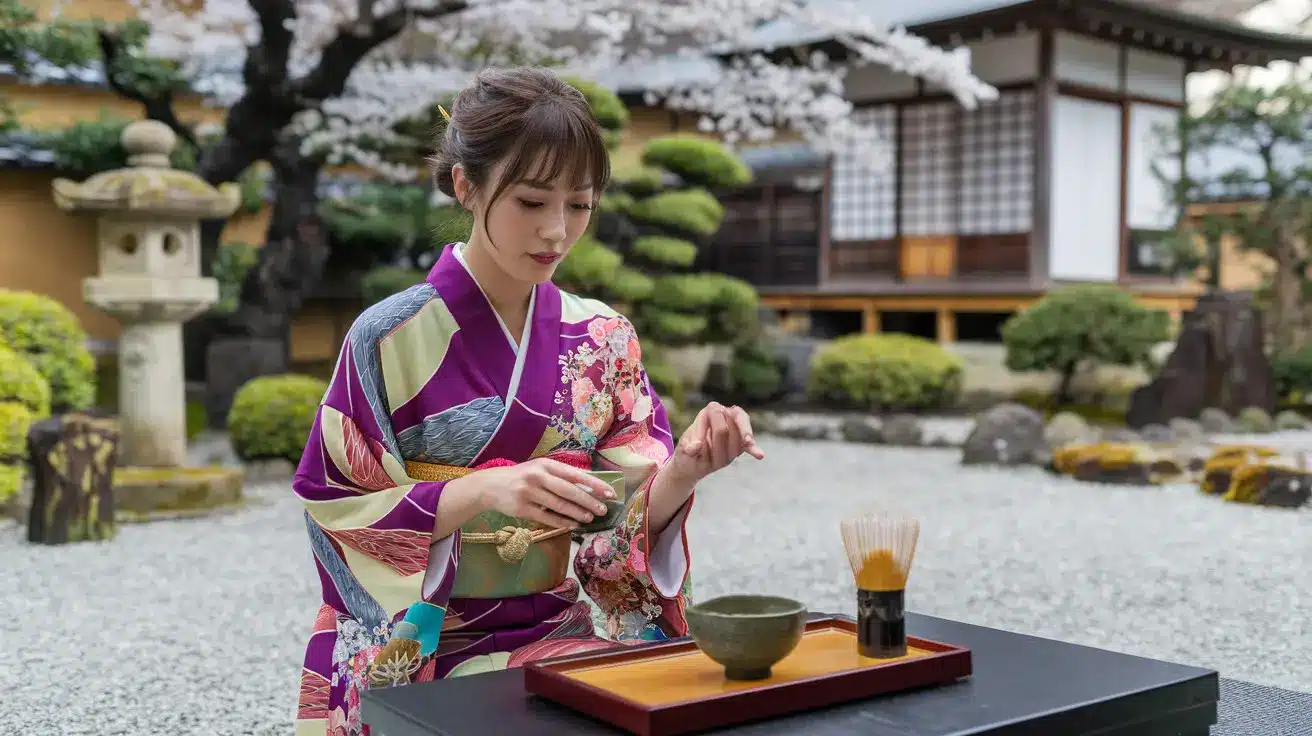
(546, 258)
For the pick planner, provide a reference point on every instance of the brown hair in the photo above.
(529, 118)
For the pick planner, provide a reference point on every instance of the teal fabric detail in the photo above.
(428, 619)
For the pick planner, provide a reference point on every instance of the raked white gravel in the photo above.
(197, 627)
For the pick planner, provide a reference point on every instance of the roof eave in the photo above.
(1210, 44)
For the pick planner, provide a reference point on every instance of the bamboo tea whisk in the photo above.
(881, 548)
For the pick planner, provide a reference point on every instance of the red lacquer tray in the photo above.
(673, 688)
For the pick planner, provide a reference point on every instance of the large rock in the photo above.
(903, 430)
(1254, 420)
(1007, 434)
(860, 430)
(1187, 431)
(796, 351)
(1218, 361)
(1069, 428)
(1216, 421)
(1291, 420)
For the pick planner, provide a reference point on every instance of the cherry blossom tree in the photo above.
(311, 83)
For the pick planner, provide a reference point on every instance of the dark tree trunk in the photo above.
(72, 458)
(289, 269)
(1064, 385)
(291, 263)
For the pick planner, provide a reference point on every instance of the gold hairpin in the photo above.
(445, 115)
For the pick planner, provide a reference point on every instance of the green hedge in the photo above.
(886, 372)
(23, 384)
(271, 416)
(47, 334)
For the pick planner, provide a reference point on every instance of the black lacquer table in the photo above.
(1022, 685)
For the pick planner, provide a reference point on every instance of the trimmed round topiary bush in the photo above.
(698, 161)
(49, 337)
(271, 416)
(23, 384)
(885, 372)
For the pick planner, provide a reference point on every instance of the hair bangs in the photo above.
(558, 145)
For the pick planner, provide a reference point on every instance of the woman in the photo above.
(472, 405)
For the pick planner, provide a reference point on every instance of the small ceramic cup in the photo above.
(614, 507)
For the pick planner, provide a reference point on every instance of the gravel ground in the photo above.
(198, 626)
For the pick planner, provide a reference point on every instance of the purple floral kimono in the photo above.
(431, 375)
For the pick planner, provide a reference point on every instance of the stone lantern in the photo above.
(149, 244)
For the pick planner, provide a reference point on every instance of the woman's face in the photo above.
(531, 226)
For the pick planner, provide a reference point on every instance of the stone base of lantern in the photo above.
(152, 387)
(156, 494)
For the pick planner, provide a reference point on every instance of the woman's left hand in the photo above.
(715, 438)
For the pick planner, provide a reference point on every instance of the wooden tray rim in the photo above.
(555, 668)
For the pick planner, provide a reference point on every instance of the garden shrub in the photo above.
(698, 161)
(271, 416)
(1095, 323)
(1292, 371)
(22, 384)
(887, 372)
(693, 211)
(379, 283)
(755, 376)
(15, 420)
(47, 334)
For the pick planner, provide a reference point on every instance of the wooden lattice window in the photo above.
(997, 147)
(929, 168)
(863, 200)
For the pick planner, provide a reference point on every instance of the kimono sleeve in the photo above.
(636, 579)
(357, 496)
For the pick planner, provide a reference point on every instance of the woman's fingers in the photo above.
(724, 435)
(549, 518)
(744, 424)
(561, 506)
(577, 476)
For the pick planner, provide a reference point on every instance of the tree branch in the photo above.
(266, 61)
(352, 44)
(158, 107)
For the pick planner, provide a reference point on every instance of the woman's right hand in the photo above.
(542, 490)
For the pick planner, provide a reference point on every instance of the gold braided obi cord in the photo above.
(534, 558)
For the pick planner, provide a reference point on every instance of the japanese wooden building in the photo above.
(984, 210)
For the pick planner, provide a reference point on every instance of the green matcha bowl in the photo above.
(747, 634)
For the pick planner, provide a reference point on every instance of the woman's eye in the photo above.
(530, 204)
(586, 207)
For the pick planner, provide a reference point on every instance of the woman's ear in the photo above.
(461, 184)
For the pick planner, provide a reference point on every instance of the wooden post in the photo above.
(869, 319)
(72, 458)
(947, 325)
